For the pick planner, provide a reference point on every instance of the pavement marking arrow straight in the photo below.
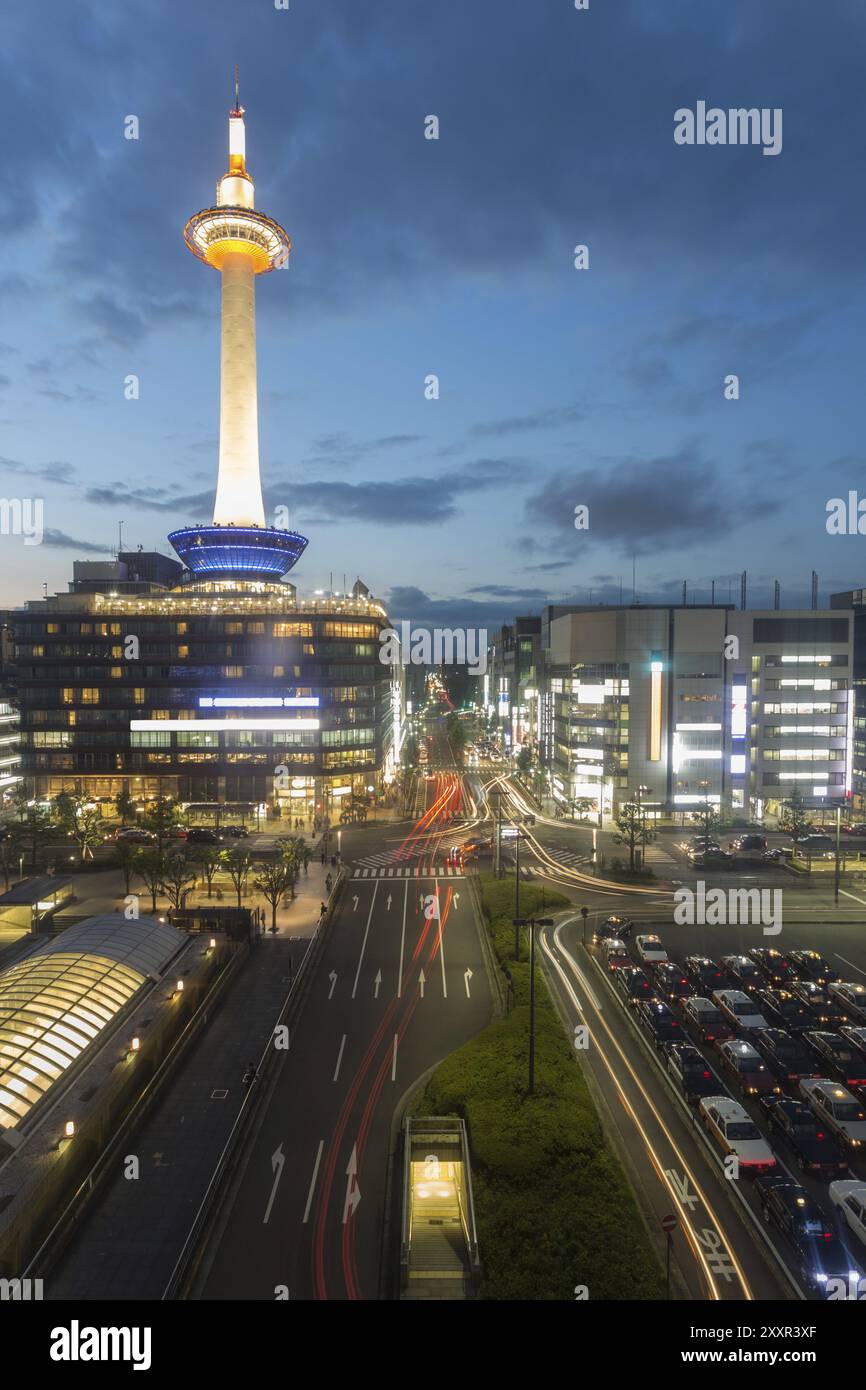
(278, 1160)
(388, 903)
(467, 976)
(421, 980)
(364, 942)
(333, 978)
(376, 983)
(353, 1191)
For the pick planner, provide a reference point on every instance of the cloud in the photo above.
(409, 501)
(646, 505)
(58, 540)
(555, 417)
(54, 472)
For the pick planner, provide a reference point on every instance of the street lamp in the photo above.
(532, 923)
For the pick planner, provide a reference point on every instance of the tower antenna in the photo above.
(237, 102)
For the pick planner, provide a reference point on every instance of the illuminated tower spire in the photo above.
(240, 243)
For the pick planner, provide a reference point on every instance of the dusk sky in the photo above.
(455, 257)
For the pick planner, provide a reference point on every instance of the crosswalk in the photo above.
(394, 856)
(410, 871)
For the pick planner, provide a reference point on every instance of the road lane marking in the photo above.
(364, 942)
(402, 941)
(313, 1181)
(849, 962)
(854, 896)
(339, 1058)
(394, 1061)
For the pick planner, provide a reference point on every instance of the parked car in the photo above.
(742, 1065)
(703, 1020)
(201, 835)
(711, 859)
(235, 832)
(700, 843)
(811, 965)
(750, 841)
(849, 1203)
(777, 968)
(689, 1071)
(858, 828)
(670, 981)
(837, 1108)
(650, 949)
(821, 1255)
(826, 1010)
(633, 984)
(743, 972)
(704, 974)
(662, 1025)
(785, 1010)
(734, 1132)
(133, 835)
(852, 997)
(787, 1057)
(815, 843)
(839, 1058)
(814, 1148)
(739, 1009)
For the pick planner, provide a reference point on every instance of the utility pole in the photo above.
(517, 896)
(837, 865)
(532, 923)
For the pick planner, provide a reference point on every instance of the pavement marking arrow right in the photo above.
(467, 976)
(333, 978)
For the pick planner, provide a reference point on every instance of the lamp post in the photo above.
(532, 923)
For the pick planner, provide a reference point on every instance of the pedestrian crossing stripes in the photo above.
(411, 871)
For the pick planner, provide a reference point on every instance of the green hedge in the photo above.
(552, 1205)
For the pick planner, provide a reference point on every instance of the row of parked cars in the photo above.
(785, 1032)
(194, 835)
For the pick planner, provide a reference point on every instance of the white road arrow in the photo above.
(421, 980)
(355, 902)
(353, 1192)
(377, 982)
(456, 899)
(333, 978)
(278, 1160)
(467, 976)
(388, 903)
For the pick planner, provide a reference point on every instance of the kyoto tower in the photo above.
(240, 243)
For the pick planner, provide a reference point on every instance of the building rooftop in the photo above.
(55, 1003)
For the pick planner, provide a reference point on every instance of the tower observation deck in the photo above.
(240, 243)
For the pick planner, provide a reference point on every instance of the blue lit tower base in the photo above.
(238, 552)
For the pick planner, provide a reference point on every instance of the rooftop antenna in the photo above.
(777, 594)
(743, 590)
(814, 589)
(713, 592)
(237, 102)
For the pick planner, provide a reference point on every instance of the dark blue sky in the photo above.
(453, 257)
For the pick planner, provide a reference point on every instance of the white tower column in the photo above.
(239, 487)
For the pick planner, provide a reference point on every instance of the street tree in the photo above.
(125, 857)
(81, 819)
(150, 866)
(160, 817)
(707, 817)
(633, 830)
(795, 818)
(237, 862)
(209, 859)
(125, 806)
(178, 879)
(31, 833)
(273, 880)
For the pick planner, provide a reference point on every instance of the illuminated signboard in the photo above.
(739, 695)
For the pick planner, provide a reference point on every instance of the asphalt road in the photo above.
(391, 997)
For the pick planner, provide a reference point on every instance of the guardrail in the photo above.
(190, 1254)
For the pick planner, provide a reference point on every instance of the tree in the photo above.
(81, 819)
(150, 867)
(707, 817)
(273, 879)
(159, 818)
(31, 833)
(633, 829)
(125, 857)
(581, 807)
(238, 861)
(125, 806)
(795, 818)
(292, 855)
(178, 879)
(524, 759)
(209, 859)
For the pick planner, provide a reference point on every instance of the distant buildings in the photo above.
(644, 700)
